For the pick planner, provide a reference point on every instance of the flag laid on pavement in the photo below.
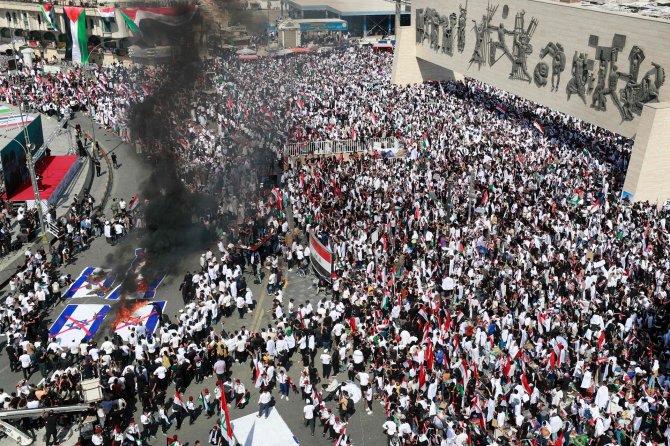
(78, 323)
(172, 16)
(76, 48)
(49, 13)
(91, 282)
(145, 313)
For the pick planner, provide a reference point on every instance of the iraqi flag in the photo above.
(172, 16)
(525, 383)
(78, 323)
(178, 400)
(601, 340)
(49, 13)
(107, 15)
(501, 108)
(226, 427)
(76, 48)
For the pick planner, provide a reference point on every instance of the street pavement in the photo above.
(364, 429)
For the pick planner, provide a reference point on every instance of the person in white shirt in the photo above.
(390, 428)
(308, 412)
(264, 400)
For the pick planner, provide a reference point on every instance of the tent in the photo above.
(252, 431)
(245, 52)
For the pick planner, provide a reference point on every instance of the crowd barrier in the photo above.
(338, 146)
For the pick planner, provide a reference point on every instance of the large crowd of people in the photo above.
(488, 287)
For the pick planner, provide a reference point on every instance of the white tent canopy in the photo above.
(252, 431)
(246, 52)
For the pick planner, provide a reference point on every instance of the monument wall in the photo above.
(598, 66)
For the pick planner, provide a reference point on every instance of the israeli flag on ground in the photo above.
(144, 319)
(78, 323)
(92, 282)
(145, 287)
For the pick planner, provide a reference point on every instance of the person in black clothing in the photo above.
(115, 162)
(97, 167)
(13, 358)
(52, 427)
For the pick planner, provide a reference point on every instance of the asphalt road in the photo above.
(364, 429)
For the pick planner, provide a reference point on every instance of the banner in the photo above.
(78, 323)
(76, 48)
(321, 257)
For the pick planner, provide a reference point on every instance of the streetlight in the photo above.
(29, 154)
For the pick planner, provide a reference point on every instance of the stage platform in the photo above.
(56, 173)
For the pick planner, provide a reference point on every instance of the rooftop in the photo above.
(348, 7)
(656, 9)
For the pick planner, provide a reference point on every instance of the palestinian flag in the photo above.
(173, 441)
(77, 40)
(226, 428)
(203, 402)
(49, 13)
(424, 141)
(172, 16)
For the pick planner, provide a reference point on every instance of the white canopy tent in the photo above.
(252, 431)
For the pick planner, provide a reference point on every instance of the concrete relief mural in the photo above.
(600, 80)
(462, 22)
(448, 29)
(555, 50)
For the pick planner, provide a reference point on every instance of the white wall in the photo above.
(568, 25)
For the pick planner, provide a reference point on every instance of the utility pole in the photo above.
(397, 17)
(471, 191)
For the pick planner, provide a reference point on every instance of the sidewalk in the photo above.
(100, 188)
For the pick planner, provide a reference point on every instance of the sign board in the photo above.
(334, 25)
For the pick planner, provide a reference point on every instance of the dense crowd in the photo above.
(490, 287)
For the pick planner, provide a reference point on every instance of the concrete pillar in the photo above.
(407, 69)
(649, 167)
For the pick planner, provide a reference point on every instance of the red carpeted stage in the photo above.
(52, 170)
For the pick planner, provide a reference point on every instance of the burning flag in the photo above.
(139, 313)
